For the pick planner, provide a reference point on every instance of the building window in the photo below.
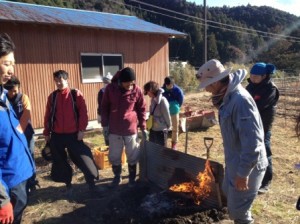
(96, 66)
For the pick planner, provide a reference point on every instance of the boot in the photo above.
(117, 178)
(174, 145)
(132, 175)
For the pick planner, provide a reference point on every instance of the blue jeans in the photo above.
(239, 202)
(18, 199)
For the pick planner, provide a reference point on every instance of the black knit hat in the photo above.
(127, 75)
(169, 80)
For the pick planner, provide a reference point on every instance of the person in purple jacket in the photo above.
(123, 110)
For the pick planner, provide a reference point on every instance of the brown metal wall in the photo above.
(42, 49)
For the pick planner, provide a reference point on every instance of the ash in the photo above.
(155, 205)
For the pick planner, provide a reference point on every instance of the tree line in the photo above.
(243, 34)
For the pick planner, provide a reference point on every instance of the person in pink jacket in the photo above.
(123, 111)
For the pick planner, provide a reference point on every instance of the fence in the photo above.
(289, 103)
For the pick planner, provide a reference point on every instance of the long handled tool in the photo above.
(208, 142)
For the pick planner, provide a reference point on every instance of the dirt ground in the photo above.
(51, 204)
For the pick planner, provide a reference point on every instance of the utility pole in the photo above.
(205, 32)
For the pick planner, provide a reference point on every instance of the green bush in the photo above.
(184, 76)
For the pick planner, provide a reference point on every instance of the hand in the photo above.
(241, 183)
(145, 135)
(99, 119)
(6, 214)
(19, 129)
(105, 132)
(80, 135)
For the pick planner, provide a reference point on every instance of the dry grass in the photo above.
(278, 205)
(275, 207)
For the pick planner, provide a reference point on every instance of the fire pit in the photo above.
(172, 170)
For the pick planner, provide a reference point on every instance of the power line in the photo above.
(266, 34)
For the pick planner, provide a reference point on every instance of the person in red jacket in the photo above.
(64, 124)
(123, 111)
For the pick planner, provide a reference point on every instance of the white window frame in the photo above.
(101, 67)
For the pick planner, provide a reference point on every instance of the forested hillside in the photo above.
(243, 34)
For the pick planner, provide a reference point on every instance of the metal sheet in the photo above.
(165, 167)
(31, 13)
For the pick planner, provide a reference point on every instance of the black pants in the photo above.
(269, 172)
(79, 153)
(157, 137)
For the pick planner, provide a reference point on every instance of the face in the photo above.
(150, 94)
(214, 88)
(128, 85)
(170, 86)
(7, 64)
(257, 78)
(13, 92)
(61, 83)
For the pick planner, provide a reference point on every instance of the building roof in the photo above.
(30, 13)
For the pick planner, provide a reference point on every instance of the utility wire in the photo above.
(266, 34)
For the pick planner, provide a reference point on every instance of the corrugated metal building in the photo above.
(88, 45)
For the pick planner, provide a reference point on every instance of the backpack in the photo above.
(53, 107)
(17, 106)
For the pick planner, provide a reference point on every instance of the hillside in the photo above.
(243, 34)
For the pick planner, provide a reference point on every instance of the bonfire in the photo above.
(199, 189)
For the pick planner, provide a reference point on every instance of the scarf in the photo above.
(217, 99)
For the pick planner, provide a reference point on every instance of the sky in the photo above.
(291, 6)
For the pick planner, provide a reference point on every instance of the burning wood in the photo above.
(199, 189)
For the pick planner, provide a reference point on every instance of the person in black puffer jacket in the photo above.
(266, 95)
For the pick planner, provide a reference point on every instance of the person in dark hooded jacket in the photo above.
(123, 110)
(265, 95)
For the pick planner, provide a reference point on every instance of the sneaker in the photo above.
(174, 146)
(263, 189)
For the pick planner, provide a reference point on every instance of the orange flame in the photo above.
(199, 190)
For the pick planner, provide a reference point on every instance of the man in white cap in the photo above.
(243, 137)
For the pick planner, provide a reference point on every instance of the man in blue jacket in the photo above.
(16, 163)
(175, 98)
